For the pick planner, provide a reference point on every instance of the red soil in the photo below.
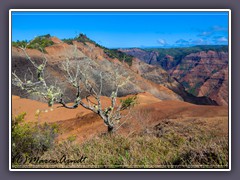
(149, 111)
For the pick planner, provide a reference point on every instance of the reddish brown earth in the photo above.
(160, 76)
(81, 53)
(149, 112)
(147, 57)
(205, 74)
(202, 74)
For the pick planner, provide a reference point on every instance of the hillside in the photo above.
(201, 70)
(149, 112)
(83, 53)
(159, 76)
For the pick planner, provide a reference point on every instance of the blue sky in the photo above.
(126, 29)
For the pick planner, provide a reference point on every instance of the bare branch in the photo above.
(101, 84)
(77, 74)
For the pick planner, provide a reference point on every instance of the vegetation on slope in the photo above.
(40, 42)
(30, 139)
(112, 53)
(143, 151)
(170, 145)
(180, 53)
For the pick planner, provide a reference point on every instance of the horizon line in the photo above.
(132, 47)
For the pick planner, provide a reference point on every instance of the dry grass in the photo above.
(185, 143)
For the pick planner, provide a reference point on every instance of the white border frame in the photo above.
(120, 10)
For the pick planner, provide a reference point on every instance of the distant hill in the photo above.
(202, 70)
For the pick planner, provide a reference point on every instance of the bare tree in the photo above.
(77, 75)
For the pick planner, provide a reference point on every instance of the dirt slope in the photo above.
(83, 53)
(149, 112)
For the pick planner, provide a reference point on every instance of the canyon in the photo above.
(162, 87)
(202, 71)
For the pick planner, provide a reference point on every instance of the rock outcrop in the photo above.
(201, 74)
(204, 74)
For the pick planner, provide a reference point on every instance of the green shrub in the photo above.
(19, 43)
(30, 139)
(72, 138)
(40, 43)
(112, 53)
(129, 102)
(80, 38)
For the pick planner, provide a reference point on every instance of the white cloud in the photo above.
(197, 41)
(162, 42)
(222, 39)
(213, 31)
(205, 33)
(200, 42)
(182, 41)
(219, 28)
